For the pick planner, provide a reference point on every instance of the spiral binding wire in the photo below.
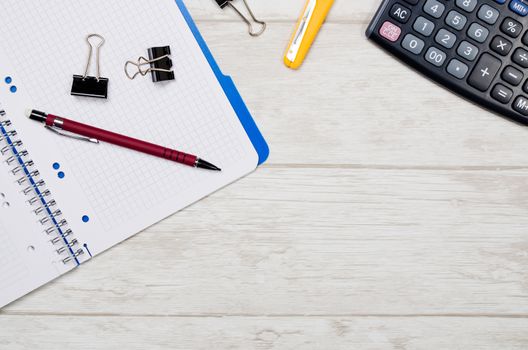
(39, 197)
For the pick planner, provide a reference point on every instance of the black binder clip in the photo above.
(159, 64)
(88, 86)
(224, 3)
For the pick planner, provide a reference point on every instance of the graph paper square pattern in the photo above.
(27, 260)
(12, 264)
(123, 191)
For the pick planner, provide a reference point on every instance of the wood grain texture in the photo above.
(339, 333)
(352, 104)
(281, 11)
(392, 215)
(380, 242)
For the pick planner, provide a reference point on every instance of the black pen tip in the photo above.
(202, 164)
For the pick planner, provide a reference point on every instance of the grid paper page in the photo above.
(27, 259)
(12, 266)
(123, 190)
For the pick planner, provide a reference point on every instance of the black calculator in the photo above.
(476, 48)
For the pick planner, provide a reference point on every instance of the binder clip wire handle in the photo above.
(252, 32)
(97, 54)
(142, 61)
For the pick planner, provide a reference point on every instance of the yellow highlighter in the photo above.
(311, 20)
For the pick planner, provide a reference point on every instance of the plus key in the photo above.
(484, 72)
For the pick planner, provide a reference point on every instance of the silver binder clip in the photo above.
(224, 3)
(159, 64)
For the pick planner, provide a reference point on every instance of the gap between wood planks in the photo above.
(494, 168)
(238, 315)
(287, 21)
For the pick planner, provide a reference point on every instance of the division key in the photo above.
(484, 72)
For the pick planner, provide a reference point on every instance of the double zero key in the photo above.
(484, 72)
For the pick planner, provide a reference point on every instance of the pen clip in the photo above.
(301, 30)
(70, 135)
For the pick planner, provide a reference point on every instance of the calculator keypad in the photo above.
(457, 69)
(434, 8)
(435, 56)
(467, 50)
(413, 44)
(456, 20)
(446, 38)
(511, 27)
(502, 93)
(519, 6)
(478, 33)
(424, 26)
(512, 75)
(501, 45)
(477, 48)
(400, 13)
(488, 14)
(484, 72)
(467, 5)
(520, 56)
(521, 105)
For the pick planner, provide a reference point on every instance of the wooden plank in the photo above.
(43, 333)
(320, 242)
(274, 11)
(346, 105)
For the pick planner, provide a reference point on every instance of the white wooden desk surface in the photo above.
(391, 215)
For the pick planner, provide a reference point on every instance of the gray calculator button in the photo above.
(423, 26)
(435, 56)
(467, 51)
(413, 44)
(456, 20)
(457, 69)
(478, 32)
(467, 5)
(488, 14)
(434, 8)
(445, 38)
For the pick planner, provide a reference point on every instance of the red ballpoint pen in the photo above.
(92, 134)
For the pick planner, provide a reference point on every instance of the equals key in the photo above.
(502, 94)
(484, 72)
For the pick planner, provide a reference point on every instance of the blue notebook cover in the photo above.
(230, 90)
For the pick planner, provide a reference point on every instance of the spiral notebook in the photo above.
(63, 201)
